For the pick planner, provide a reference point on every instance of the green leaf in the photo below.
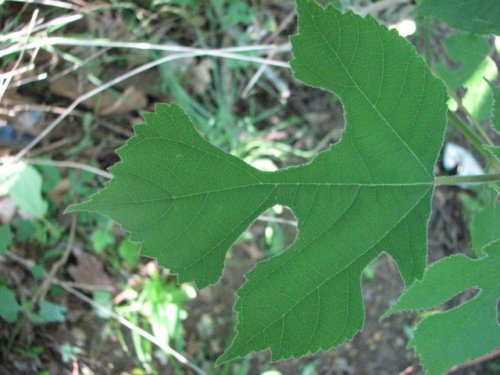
(25, 229)
(38, 271)
(101, 239)
(24, 184)
(9, 308)
(105, 299)
(471, 52)
(51, 177)
(129, 251)
(5, 238)
(187, 201)
(484, 228)
(495, 124)
(49, 313)
(477, 16)
(466, 332)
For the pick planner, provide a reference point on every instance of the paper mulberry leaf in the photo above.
(462, 333)
(477, 16)
(187, 201)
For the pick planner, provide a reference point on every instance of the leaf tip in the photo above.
(226, 357)
(390, 312)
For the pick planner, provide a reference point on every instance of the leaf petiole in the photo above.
(471, 136)
(478, 179)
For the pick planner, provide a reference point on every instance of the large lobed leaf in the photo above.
(187, 201)
(467, 331)
(477, 16)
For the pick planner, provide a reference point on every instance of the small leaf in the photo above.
(103, 298)
(101, 239)
(477, 16)
(49, 313)
(129, 251)
(24, 184)
(466, 332)
(9, 308)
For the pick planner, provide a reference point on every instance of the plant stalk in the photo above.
(471, 137)
(471, 118)
(479, 179)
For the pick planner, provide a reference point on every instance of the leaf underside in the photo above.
(468, 331)
(187, 202)
(477, 16)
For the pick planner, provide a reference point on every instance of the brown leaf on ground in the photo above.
(104, 103)
(57, 194)
(200, 74)
(89, 270)
(132, 99)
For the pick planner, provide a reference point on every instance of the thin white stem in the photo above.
(271, 219)
(64, 20)
(5, 81)
(379, 6)
(52, 3)
(236, 56)
(25, 81)
(16, 71)
(253, 81)
(70, 164)
(61, 41)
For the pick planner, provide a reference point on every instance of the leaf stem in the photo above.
(478, 179)
(471, 137)
(471, 118)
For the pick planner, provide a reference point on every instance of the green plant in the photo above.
(468, 331)
(187, 202)
(24, 184)
(160, 307)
